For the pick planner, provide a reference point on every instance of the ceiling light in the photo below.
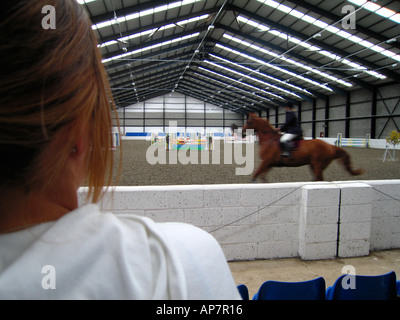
(224, 84)
(150, 32)
(333, 56)
(377, 9)
(255, 79)
(124, 55)
(143, 13)
(254, 24)
(298, 64)
(233, 80)
(332, 29)
(244, 76)
(85, 1)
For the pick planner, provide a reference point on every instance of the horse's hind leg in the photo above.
(318, 175)
(318, 169)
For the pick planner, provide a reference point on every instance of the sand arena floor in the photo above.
(136, 170)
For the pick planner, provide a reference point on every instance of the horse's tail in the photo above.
(345, 159)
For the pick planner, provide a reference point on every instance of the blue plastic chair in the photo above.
(380, 287)
(305, 290)
(244, 292)
(398, 289)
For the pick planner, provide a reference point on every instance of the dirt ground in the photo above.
(136, 169)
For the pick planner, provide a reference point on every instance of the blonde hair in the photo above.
(53, 87)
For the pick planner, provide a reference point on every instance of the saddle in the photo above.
(290, 146)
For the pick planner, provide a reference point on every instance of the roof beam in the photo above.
(306, 61)
(128, 10)
(304, 97)
(153, 42)
(214, 101)
(138, 81)
(264, 101)
(152, 54)
(333, 17)
(318, 43)
(315, 93)
(129, 32)
(224, 96)
(127, 104)
(240, 84)
(325, 46)
(142, 85)
(218, 101)
(188, 89)
(163, 79)
(223, 86)
(149, 67)
(147, 91)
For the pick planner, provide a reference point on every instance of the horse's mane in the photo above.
(263, 122)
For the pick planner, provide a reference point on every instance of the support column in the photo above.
(335, 220)
(354, 220)
(164, 113)
(205, 115)
(314, 117)
(318, 230)
(373, 114)
(185, 114)
(124, 125)
(326, 122)
(299, 112)
(223, 121)
(347, 115)
(144, 115)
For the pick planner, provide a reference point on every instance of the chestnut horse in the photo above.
(317, 153)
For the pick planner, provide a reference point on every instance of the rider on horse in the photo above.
(291, 129)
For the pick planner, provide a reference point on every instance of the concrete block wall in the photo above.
(263, 220)
(317, 220)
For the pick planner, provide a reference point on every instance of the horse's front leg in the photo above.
(263, 178)
(261, 170)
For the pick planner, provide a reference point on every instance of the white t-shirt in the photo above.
(87, 254)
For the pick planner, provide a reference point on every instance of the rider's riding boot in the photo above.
(285, 147)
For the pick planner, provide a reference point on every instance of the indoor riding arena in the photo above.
(188, 76)
(136, 171)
